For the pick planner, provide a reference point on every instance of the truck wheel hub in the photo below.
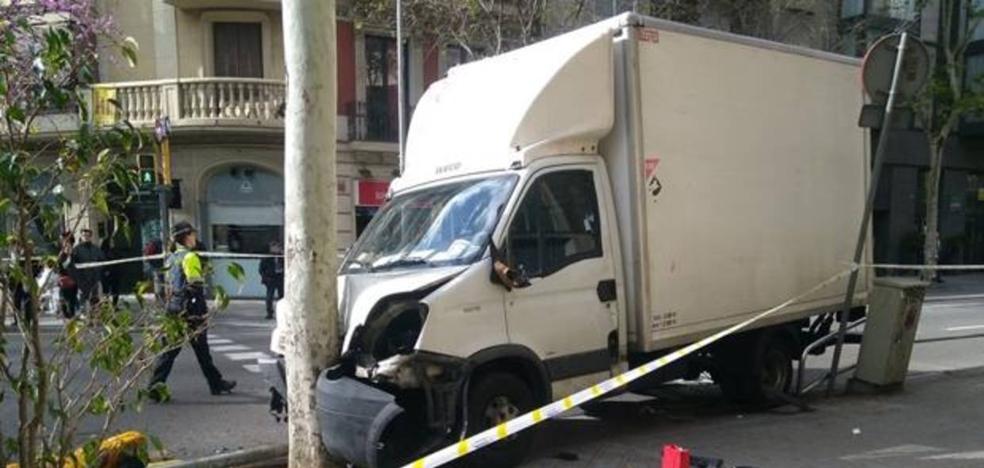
(499, 410)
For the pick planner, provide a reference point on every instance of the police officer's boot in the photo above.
(224, 386)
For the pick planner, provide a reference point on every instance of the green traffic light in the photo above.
(146, 177)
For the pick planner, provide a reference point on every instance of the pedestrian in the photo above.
(152, 267)
(88, 278)
(272, 276)
(68, 286)
(21, 298)
(186, 297)
(111, 273)
(50, 295)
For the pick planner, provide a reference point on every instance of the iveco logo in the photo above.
(447, 168)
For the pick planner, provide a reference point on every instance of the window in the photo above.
(238, 49)
(556, 225)
(974, 81)
(245, 239)
(381, 90)
(852, 8)
(456, 55)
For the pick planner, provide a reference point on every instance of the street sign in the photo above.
(879, 63)
(162, 128)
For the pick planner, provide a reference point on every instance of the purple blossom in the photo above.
(29, 62)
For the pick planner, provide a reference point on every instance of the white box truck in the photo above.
(583, 205)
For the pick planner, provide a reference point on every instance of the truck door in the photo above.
(557, 236)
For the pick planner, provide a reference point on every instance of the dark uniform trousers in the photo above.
(199, 344)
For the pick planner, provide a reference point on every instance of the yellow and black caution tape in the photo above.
(543, 413)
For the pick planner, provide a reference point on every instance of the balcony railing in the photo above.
(371, 123)
(241, 102)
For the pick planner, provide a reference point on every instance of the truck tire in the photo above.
(756, 377)
(772, 373)
(493, 399)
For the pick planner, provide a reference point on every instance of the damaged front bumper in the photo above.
(354, 418)
(375, 422)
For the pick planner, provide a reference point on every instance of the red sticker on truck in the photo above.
(648, 35)
(650, 166)
(652, 183)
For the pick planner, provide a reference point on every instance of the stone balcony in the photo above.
(193, 103)
(248, 110)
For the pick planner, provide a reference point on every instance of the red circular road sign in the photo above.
(879, 64)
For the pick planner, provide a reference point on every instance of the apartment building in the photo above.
(215, 69)
(900, 207)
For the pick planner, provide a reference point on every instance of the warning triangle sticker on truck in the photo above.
(650, 167)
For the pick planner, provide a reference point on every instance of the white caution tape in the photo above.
(922, 267)
(514, 426)
(121, 261)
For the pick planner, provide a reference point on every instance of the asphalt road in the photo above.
(196, 423)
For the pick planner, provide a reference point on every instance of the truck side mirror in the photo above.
(502, 273)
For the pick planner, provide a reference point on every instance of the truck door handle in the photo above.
(606, 290)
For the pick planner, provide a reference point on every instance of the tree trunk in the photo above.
(309, 173)
(931, 244)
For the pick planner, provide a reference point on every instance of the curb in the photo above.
(252, 457)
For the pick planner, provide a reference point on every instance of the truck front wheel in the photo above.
(493, 399)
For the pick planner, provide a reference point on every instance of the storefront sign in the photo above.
(371, 192)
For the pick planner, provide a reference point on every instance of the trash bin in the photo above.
(889, 332)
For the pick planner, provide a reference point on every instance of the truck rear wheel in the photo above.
(756, 377)
(493, 399)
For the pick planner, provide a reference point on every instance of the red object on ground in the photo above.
(675, 457)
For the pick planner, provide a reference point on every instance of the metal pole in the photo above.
(866, 218)
(165, 222)
(399, 77)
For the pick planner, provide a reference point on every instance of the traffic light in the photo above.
(147, 170)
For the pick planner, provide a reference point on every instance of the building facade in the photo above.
(900, 207)
(215, 69)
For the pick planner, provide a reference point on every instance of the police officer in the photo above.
(186, 285)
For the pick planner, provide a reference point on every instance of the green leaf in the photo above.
(156, 443)
(129, 49)
(98, 405)
(237, 272)
(99, 199)
(16, 114)
(221, 297)
(102, 156)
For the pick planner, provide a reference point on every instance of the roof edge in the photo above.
(636, 20)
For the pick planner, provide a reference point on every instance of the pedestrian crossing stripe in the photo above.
(538, 415)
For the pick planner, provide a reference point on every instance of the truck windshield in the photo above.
(438, 226)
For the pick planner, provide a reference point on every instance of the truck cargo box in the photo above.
(739, 176)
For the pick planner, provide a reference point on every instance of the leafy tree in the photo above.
(81, 376)
(479, 27)
(949, 97)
